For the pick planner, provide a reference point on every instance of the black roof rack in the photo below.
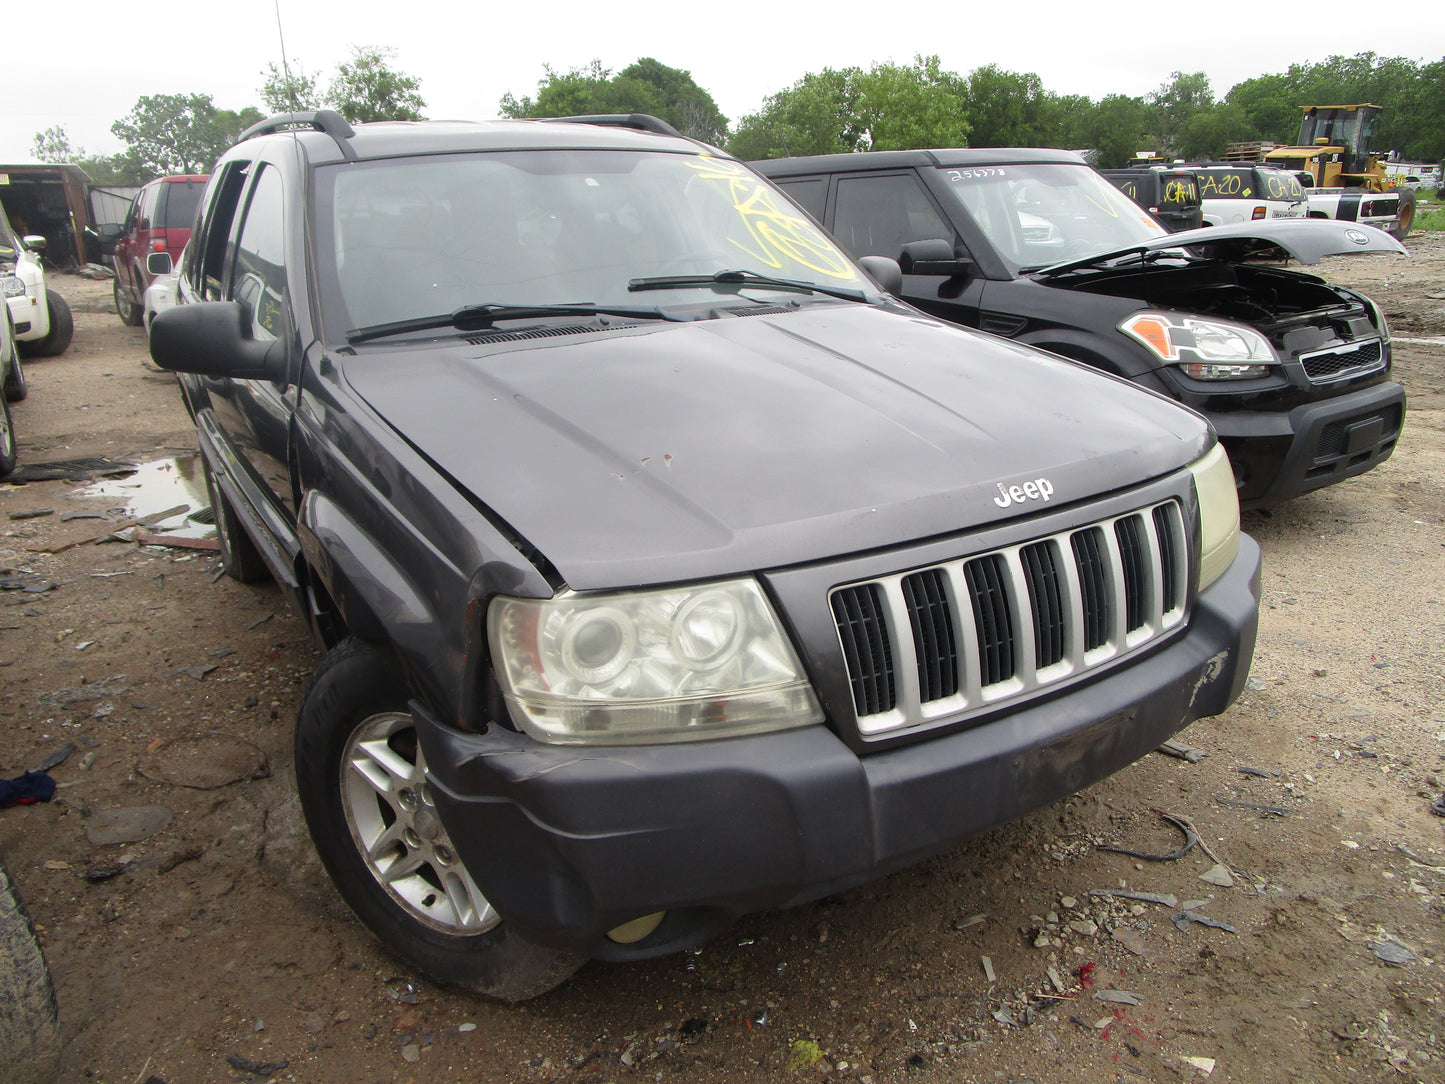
(641, 121)
(315, 120)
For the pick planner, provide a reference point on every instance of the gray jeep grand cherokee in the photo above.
(667, 570)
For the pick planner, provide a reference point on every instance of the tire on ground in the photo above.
(29, 1023)
(239, 556)
(130, 314)
(62, 329)
(1406, 221)
(355, 693)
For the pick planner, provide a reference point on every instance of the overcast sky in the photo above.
(89, 72)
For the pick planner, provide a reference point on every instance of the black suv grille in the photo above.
(957, 639)
(1350, 359)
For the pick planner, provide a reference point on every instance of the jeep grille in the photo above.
(955, 640)
(1345, 361)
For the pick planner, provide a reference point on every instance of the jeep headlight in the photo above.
(11, 286)
(1203, 349)
(677, 664)
(1218, 514)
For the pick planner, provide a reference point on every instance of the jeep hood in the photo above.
(683, 451)
(1307, 240)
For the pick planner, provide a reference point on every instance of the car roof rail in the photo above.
(643, 122)
(316, 120)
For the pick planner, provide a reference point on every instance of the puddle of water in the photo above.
(157, 487)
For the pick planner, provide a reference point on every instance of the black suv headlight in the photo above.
(1203, 349)
(630, 667)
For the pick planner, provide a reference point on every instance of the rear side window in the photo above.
(1228, 184)
(179, 201)
(809, 193)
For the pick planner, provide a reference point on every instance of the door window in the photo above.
(258, 279)
(877, 216)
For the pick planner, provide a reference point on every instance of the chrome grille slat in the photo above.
(954, 639)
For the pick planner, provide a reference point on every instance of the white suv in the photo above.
(43, 325)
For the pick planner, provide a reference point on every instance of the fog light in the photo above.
(629, 933)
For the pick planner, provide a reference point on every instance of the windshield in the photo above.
(405, 239)
(1046, 213)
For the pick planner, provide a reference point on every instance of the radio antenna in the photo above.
(285, 68)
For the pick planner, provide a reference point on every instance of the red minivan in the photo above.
(160, 220)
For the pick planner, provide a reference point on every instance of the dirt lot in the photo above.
(216, 942)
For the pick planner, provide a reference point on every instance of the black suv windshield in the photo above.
(1046, 213)
(407, 239)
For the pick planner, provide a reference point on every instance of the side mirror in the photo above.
(213, 338)
(885, 272)
(932, 257)
(158, 263)
(107, 235)
(34, 242)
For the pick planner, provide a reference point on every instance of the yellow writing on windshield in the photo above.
(777, 235)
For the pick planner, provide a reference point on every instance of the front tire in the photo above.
(130, 314)
(7, 438)
(368, 804)
(29, 1024)
(62, 329)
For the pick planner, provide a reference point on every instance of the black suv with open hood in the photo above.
(1034, 245)
(667, 569)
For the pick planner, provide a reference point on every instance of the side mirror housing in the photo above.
(885, 272)
(932, 257)
(107, 234)
(213, 338)
(158, 263)
(34, 242)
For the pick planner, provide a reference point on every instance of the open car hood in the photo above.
(1307, 240)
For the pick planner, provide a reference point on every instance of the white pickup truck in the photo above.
(1379, 209)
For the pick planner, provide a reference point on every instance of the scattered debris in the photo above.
(1190, 839)
(128, 825)
(27, 789)
(1164, 899)
(37, 513)
(1204, 1065)
(56, 758)
(235, 1061)
(1181, 751)
(197, 672)
(988, 969)
(1117, 997)
(1268, 810)
(205, 763)
(971, 920)
(1392, 952)
(105, 689)
(1184, 919)
(1133, 941)
(1260, 773)
(175, 541)
(1218, 875)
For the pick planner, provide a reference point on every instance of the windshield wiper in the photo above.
(481, 317)
(731, 281)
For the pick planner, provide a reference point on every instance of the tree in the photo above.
(1007, 109)
(903, 108)
(1118, 129)
(816, 115)
(1174, 104)
(891, 107)
(179, 133)
(53, 146)
(366, 88)
(647, 86)
(285, 92)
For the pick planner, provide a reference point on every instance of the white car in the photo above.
(162, 292)
(43, 325)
